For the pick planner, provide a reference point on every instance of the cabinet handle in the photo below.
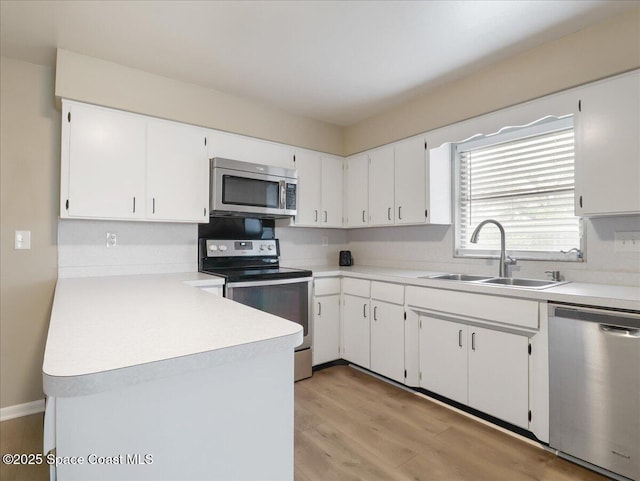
(325, 216)
(473, 341)
(319, 308)
(134, 205)
(363, 212)
(364, 311)
(400, 212)
(460, 338)
(375, 313)
(580, 202)
(389, 213)
(315, 214)
(153, 207)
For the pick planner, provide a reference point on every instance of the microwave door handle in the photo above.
(283, 194)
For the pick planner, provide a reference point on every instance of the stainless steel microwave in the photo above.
(247, 189)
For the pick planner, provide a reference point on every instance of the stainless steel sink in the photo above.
(497, 281)
(516, 282)
(458, 277)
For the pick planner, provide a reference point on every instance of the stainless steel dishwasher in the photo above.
(594, 386)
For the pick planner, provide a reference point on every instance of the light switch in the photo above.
(23, 239)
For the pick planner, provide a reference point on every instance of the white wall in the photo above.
(142, 248)
(303, 246)
(432, 247)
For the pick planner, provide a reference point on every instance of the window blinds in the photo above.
(526, 184)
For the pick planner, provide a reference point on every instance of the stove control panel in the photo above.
(243, 248)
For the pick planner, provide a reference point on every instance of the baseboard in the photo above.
(20, 410)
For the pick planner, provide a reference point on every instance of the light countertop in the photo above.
(112, 331)
(599, 295)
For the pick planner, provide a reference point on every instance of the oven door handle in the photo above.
(272, 282)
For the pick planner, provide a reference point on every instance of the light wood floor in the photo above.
(351, 426)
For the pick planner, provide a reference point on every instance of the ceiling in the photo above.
(336, 61)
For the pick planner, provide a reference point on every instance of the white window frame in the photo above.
(544, 125)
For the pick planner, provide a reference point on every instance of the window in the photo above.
(524, 179)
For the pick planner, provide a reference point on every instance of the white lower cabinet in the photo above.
(356, 330)
(443, 358)
(387, 330)
(499, 374)
(325, 328)
(387, 339)
(485, 369)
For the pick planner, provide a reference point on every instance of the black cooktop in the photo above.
(258, 274)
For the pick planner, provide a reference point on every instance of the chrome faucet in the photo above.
(504, 259)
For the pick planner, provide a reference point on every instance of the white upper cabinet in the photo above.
(438, 194)
(117, 165)
(608, 147)
(410, 181)
(177, 172)
(381, 187)
(357, 191)
(103, 167)
(332, 189)
(405, 184)
(309, 191)
(319, 197)
(248, 149)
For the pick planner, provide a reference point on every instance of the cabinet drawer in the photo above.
(356, 287)
(505, 310)
(383, 291)
(326, 287)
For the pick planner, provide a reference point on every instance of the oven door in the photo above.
(286, 298)
(252, 193)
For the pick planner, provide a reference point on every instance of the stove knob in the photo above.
(270, 247)
(213, 247)
(222, 247)
(262, 247)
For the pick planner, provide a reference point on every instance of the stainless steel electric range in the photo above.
(253, 277)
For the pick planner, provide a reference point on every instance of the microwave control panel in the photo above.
(291, 196)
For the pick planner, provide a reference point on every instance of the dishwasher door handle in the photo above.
(620, 331)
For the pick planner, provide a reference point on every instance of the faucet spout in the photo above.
(503, 257)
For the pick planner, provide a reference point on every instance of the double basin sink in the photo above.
(498, 281)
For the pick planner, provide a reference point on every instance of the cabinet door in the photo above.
(381, 204)
(443, 358)
(608, 147)
(177, 174)
(355, 330)
(106, 171)
(439, 198)
(332, 189)
(387, 340)
(357, 191)
(410, 181)
(326, 329)
(499, 374)
(309, 167)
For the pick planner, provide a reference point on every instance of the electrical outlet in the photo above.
(112, 239)
(23, 239)
(325, 241)
(627, 242)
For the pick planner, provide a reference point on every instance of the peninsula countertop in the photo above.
(114, 331)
